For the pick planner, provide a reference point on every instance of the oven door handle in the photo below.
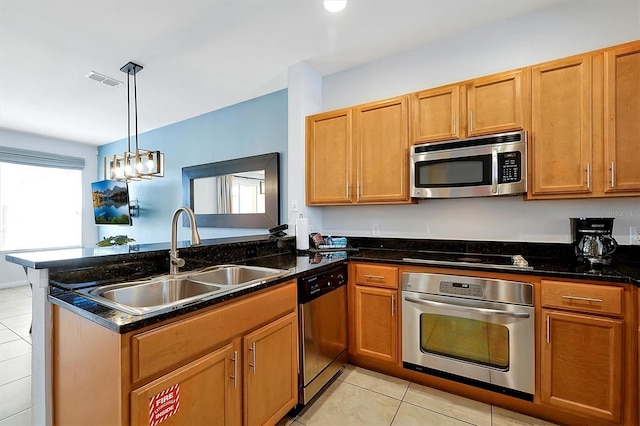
(468, 308)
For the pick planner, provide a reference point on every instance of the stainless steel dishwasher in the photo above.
(323, 329)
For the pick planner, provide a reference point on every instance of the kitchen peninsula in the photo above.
(57, 276)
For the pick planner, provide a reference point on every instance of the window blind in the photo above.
(41, 159)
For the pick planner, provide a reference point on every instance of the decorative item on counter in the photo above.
(317, 239)
(302, 232)
(330, 243)
(115, 240)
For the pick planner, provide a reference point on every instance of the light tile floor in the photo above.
(363, 397)
(356, 397)
(15, 356)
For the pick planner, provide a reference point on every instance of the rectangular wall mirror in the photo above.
(238, 193)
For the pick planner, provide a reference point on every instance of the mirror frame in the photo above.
(267, 162)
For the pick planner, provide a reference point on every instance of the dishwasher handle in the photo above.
(456, 307)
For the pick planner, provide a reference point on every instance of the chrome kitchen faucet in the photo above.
(175, 261)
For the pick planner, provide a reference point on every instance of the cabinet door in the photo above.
(382, 148)
(561, 141)
(622, 119)
(436, 114)
(271, 371)
(329, 158)
(581, 365)
(376, 323)
(202, 392)
(498, 103)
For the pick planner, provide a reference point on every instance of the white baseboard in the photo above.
(14, 284)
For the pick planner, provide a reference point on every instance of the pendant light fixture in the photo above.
(140, 163)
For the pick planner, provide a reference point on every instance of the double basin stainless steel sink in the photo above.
(168, 292)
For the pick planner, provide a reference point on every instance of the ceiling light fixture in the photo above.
(141, 163)
(335, 6)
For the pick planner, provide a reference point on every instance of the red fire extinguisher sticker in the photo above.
(164, 405)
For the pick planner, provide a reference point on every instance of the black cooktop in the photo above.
(464, 259)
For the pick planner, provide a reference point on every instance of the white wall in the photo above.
(10, 273)
(571, 28)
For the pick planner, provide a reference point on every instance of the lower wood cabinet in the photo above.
(582, 353)
(271, 371)
(231, 365)
(202, 392)
(373, 312)
(376, 317)
(582, 364)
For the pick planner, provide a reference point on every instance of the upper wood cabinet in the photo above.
(498, 103)
(329, 158)
(359, 155)
(585, 121)
(436, 114)
(492, 104)
(622, 119)
(381, 138)
(560, 143)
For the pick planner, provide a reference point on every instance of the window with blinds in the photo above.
(40, 200)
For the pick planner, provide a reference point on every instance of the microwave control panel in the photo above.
(509, 167)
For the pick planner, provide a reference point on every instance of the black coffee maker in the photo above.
(592, 240)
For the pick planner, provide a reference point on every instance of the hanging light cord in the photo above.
(135, 100)
(128, 114)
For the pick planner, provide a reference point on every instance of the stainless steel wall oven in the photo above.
(474, 330)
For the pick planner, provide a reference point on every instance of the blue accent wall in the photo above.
(254, 127)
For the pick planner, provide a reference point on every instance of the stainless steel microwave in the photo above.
(475, 167)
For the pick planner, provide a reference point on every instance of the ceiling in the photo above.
(198, 55)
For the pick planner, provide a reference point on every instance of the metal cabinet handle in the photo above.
(378, 277)
(548, 329)
(585, 299)
(588, 171)
(235, 369)
(454, 131)
(393, 305)
(252, 363)
(494, 171)
(613, 174)
(471, 121)
(455, 307)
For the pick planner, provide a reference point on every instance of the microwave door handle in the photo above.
(494, 171)
(453, 306)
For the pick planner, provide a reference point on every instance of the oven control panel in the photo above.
(461, 289)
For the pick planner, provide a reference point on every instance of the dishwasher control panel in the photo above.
(323, 282)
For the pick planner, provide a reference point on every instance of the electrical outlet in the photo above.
(294, 205)
(375, 228)
(634, 235)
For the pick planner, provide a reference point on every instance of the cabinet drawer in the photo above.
(157, 350)
(582, 297)
(377, 275)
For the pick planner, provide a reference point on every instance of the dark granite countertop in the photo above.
(298, 266)
(551, 267)
(73, 269)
